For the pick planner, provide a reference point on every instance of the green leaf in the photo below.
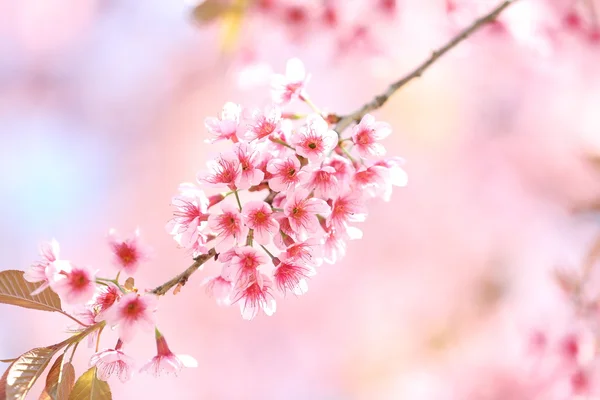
(25, 371)
(16, 291)
(89, 387)
(60, 380)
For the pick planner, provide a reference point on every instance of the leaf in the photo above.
(3, 384)
(8, 360)
(89, 387)
(25, 371)
(16, 291)
(210, 10)
(60, 380)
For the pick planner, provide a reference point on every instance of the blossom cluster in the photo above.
(99, 302)
(316, 183)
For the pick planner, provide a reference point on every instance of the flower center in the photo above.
(312, 145)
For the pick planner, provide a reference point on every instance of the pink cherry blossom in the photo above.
(250, 173)
(112, 361)
(307, 252)
(314, 140)
(290, 275)
(226, 126)
(242, 268)
(104, 299)
(265, 123)
(224, 171)
(344, 170)
(131, 313)
(190, 216)
(127, 254)
(255, 297)
(347, 207)
(74, 285)
(371, 181)
(285, 173)
(335, 243)
(366, 134)
(321, 180)
(228, 226)
(257, 215)
(219, 288)
(286, 87)
(165, 361)
(302, 211)
(396, 175)
(38, 271)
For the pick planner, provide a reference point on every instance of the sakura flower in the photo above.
(86, 316)
(302, 211)
(344, 170)
(219, 288)
(264, 123)
(224, 171)
(228, 227)
(366, 134)
(165, 361)
(226, 126)
(321, 180)
(334, 245)
(127, 254)
(396, 175)
(257, 215)
(190, 216)
(37, 272)
(74, 285)
(286, 87)
(314, 140)
(347, 207)
(255, 297)
(290, 275)
(248, 159)
(307, 252)
(104, 299)
(242, 268)
(372, 181)
(112, 361)
(131, 313)
(284, 173)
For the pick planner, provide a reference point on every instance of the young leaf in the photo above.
(60, 380)
(209, 10)
(15, 290)
(89, 387)
(8, 360)
(25, 371)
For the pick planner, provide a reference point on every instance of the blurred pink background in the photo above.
(102, 106)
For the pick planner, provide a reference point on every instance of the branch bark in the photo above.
(381, 99)
(182, 278)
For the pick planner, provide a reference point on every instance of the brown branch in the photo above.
(381, 99)
(182, 278)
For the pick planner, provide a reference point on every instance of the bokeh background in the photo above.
(102, 105)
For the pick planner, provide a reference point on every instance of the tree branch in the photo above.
(381, 99)
(182, 278)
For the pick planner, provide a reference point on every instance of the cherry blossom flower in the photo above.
(396, 175)
(190, 216)
(321, 180)
(264, 123)
(366, 134)
(104, 299)
(38, 272)
(224, 171)
(347, 207)
(307, 252)
(314, 140)
(228, 227)
(257, 215)
(74, 285)
(286, 87)
(131, 313)
(219, 288)
(290, 275)
(226, 126)
(302, 211)
(165, 361)
(284, 173)
(243, 266)
(344, 170)
(112, 361)
(334, 244)
(250, 173)
(255, 297)
(127, 254)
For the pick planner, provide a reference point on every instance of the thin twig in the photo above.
(381, 99)
(182, 278)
